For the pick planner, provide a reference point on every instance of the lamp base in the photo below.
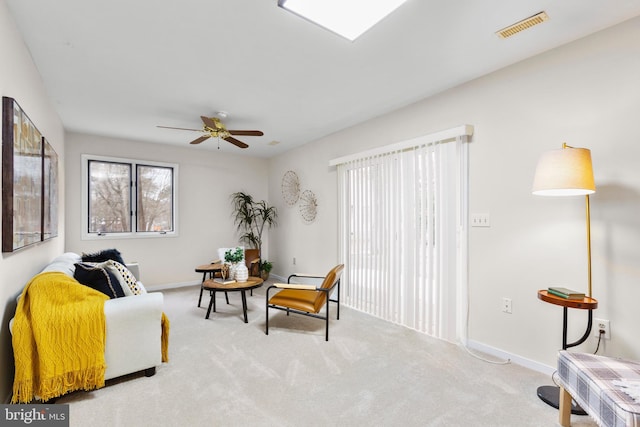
(550, 395)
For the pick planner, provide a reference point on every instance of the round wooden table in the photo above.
(211, 270)
(213, 286)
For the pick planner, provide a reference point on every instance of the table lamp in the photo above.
(567, 172)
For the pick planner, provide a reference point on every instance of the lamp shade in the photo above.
(564, 172)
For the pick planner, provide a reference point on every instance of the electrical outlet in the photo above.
(601, 325)
(294, 260)
(506, 305)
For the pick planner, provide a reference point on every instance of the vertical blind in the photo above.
(402, 211)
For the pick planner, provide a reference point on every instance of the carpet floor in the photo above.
(223, 372)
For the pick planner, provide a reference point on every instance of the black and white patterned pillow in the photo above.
(128, 278)
(99, 279)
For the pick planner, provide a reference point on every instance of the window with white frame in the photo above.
(128, 198)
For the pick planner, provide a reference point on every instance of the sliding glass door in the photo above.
(403, 215)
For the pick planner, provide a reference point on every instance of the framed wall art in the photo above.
(22, 184)
(49, 191)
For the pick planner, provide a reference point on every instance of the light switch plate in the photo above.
(480, 220)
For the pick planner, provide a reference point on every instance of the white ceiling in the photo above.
(120, 67)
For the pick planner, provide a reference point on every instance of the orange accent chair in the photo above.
(307, 299)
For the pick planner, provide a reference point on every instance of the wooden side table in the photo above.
(585, 303)
(211, 270)
(551, 394)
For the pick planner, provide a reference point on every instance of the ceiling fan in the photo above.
(214, 128)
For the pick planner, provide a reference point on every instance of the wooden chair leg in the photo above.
(564, 413)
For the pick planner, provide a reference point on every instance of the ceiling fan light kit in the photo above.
(214, 128)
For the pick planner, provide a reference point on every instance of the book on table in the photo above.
(224, 281)
(567, 293)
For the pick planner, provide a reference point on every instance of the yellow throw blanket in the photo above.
(58, 338)
(59, 335)
(165, 338)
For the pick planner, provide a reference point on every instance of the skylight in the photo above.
(348, 18)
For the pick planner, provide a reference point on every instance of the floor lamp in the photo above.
(567, 172)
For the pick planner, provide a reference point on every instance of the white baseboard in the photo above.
(279, 279)
(519, 360)
(173, 285)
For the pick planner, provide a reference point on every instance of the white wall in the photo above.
(586, 93)
(19, 79)
(205, 182)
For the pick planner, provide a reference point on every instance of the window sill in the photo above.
(122, 236)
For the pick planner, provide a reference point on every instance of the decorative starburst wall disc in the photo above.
(308, 206)
(290, 188)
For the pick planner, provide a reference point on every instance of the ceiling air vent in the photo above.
(525, 24)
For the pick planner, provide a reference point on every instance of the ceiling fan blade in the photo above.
(169, 127)
(236, 142)
(199, 140)
(210, 122)
(246, 132)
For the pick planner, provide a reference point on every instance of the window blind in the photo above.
(402, 232)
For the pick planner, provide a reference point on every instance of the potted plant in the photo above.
(265, 268)
(251, 218)
(234, 257)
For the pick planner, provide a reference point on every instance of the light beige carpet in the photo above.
(223, 372)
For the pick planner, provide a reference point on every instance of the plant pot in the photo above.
(264, 275)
